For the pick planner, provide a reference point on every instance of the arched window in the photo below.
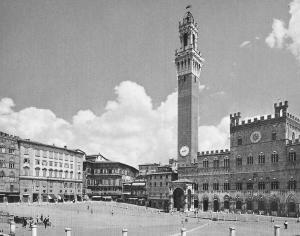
(44, 172)
(194, 41)
(261, 158)
(239, 161)
(37, 171)
(216, 162)
(26, 171)
(205, 163)
(293, 137)
(11, 163)
(292, 184)
(12, 175)
(226, 162)
(250, 160)
(274, 157)
(185, 39)
(2, 174)
(292, 155)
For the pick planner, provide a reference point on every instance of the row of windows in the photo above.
(7, 150)
(50, 154)
(11, 174)
(112, 182)
(158, 176)
(4, 164)
(291, 185)
(111, 171)
(239, 160)
(51, 163)
(160, 184)
(62, 184)
(52, 173)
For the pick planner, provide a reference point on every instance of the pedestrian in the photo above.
(24, 222)
(285, 225)
(45, 222)
(42, 218)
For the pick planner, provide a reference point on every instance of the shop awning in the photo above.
(138, 184)
(13, 195)
(60, 196)
(25, 194)
(96, 196)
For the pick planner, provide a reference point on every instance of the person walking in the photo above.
(285, 225)
(45, 222)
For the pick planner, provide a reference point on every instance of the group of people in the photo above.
(41, 219)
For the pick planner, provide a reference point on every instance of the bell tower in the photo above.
(188, 64)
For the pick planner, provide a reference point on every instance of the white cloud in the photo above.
(214, 137)
(245, 44)
(130, 130)
(287, 37)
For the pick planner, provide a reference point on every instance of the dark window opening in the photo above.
(185, 39)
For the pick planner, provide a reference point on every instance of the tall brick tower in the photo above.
(188, 63)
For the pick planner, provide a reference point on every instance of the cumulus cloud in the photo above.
(130, 129)
(287, 37)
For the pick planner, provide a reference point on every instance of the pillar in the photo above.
(12, 228)
(231, 231)
(276, 230)
(68, 231)
(33, 230)
(124, 232)
(183, 231)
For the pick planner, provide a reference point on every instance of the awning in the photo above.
(13, 195)
(132, 198)
(107, 197)
(138, 184)
(25, 194)
(49, 197)
(60, 196)
(96, 196)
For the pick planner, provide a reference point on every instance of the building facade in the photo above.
(105, 178)
(261, 171)
(135, 192)
(49, 173)
(158, 184)
(9, 168)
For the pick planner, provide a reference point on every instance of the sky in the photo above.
(100, 75)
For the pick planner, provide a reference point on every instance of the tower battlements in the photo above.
(280, 111)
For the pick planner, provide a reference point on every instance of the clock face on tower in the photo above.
(255, 137)
(184, 151)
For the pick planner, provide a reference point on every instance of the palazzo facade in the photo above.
(261, 171)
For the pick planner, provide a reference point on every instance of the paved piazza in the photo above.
(98, 220)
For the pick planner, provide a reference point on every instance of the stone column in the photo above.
(12, 228)
(33, 230)
(68, 231)
(276, 230)
(124, 232)
(183, 231)
(231, 231)
(171, 203)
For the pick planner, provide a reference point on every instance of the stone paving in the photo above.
(108, 219)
